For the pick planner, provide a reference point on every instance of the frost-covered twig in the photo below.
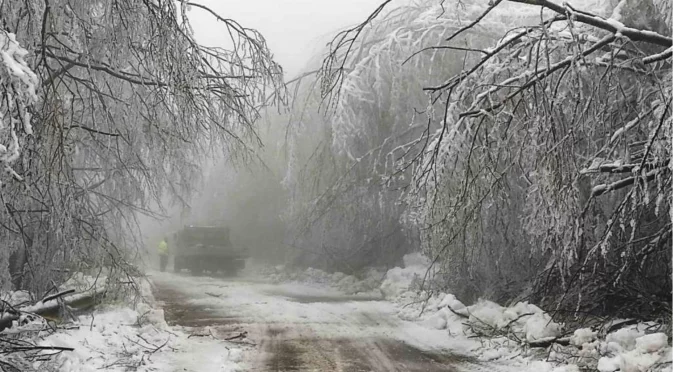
(609, 24)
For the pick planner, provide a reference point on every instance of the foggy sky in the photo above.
(295, 30)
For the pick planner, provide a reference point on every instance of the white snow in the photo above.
(523, 318)
(16, 298)
(582, 336)
(625, 338)
(119, 338)
(541, 327)
(13, 58)
(451, 301)
(627, 349)
(652, 343)
(308, 310)
(635, 361)
(489, 313)
(399, 280)
(311, 304)
(630, 349)
(608, 364)
(348, 284)
(439, 320)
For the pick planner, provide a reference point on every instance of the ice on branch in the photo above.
(17, 86)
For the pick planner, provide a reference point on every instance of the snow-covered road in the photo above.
(294, 327)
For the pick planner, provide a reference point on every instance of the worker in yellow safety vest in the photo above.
(163, 253)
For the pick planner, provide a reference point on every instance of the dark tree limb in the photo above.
(602, 23)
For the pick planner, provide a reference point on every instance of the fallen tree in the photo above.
(51, 307)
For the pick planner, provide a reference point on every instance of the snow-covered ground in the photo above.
(312, 320)
(299, 326)
(329, 313)
(121, 338)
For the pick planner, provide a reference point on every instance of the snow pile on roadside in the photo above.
(112, 339)
(522, 321)
(444, 311)
(508, 331)
(391, 284)
(633, 348)
(399, 280)
(347, 284)
(119, 338)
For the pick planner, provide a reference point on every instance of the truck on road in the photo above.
(207, 248)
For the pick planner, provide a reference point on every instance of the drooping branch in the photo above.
(126, 105)
(610, 25)
(524, 137)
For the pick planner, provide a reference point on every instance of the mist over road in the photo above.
(294, 327)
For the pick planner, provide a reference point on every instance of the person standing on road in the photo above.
(163, 253)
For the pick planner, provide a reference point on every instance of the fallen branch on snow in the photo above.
(50, 306)
(564, 341)
(243, 334)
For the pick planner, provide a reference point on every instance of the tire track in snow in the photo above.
(321, 333)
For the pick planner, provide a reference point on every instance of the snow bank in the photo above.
(582, 336)
(118, 338)
(445, 319)
(390, 284)
(523, 320)
(399, 280)
(111, 334)
(348, 284)
(632, 349)
(625, 338)
(445, 311)
(652, 343)
(539, 326)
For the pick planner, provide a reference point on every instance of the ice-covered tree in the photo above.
(19, 84)
(125, 105)
(371, 128)
(546, 159)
